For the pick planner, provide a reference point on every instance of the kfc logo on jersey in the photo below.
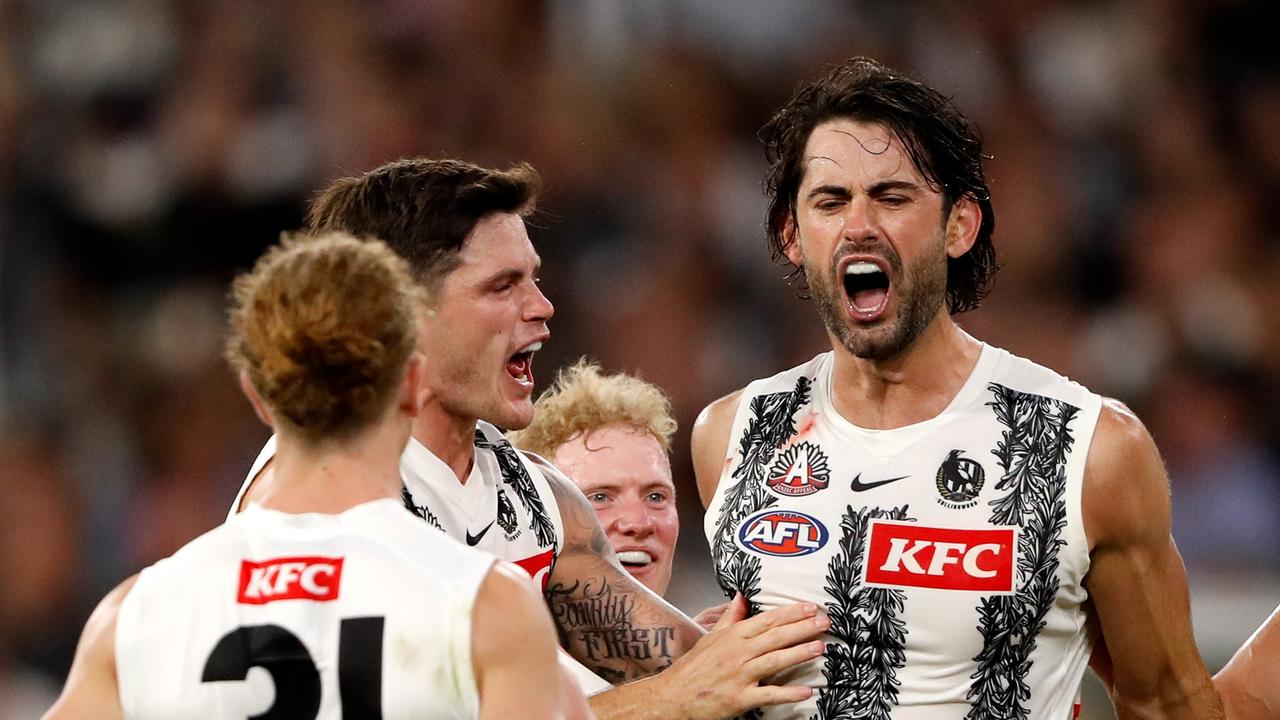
(782, 533)
(801, 470)
(539, 567)
(910, 555)
(293, 578)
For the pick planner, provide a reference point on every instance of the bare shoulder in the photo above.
(1126, 491)
(92, 689)
(100, 629)
(710, 443)
(507, 593)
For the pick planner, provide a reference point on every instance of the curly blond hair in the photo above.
(583, 399)
(324, 326)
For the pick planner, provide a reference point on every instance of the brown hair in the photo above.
(324, 327)
(583, 399)
(424, 209)
(943, 145)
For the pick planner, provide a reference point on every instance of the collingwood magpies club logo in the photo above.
(507, 517)
(800, 470)
(959, 481)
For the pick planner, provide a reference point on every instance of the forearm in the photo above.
(617, 629)
(1189, 699)
(645, 699)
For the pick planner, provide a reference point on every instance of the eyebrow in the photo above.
(514, 273)
(889, 185)
(879, 188)
(832, 190)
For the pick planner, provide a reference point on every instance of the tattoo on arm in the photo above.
(593, 617)
(605, 618)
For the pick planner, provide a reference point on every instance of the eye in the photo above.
(830, 204)
(598, 497)
(657, 497)
(894, 200)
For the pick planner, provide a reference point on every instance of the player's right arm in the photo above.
(513, 653)
(92, 690)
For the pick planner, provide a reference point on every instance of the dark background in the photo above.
(150, 149)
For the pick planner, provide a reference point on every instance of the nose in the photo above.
(860, 225)
(634, 519)
(538, 308)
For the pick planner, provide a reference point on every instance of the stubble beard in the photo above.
(920, 292)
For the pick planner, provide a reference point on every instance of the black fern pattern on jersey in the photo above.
(516, 476)
(772, 424)
(1032, 454)
(861, 670)
(421, 511)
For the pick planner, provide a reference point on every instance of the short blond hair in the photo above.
(583, 399)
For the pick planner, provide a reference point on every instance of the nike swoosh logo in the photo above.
(473, 539)
(858, 486)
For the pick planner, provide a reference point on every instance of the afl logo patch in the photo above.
(959, 481)
(801, 470)
(782, 533)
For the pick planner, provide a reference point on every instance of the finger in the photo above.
(776, 617)
(776, 661)
(792, 633)
(735, 610)
(774, 695)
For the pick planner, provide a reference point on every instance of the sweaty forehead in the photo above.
(852, 150)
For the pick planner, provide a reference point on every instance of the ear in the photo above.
(791, 241)
(259, 405)
(414, 394)
(962, 226)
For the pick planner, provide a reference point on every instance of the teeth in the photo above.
(861, 268)
(635, 557)
(532, 347)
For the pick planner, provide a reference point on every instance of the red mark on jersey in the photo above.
(292, 578)
(903, 554)
(539, 567)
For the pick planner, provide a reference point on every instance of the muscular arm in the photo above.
(528, 683)
(606, 619)
(92, 690)
(1137, 583)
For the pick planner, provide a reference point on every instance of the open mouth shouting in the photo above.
(520, 365)
(867, 288)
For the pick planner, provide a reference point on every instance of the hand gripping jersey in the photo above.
(506, 507)
(949, 554)
(366, 614)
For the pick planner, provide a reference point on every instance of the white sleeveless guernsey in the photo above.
(949, 554)
(366, 614)
(506, 507)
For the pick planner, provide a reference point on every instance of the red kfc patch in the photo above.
(904, 554)
(539, 567)
(292, 578)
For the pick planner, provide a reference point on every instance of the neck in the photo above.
(913, 386)
(448, 436)
(335, 476)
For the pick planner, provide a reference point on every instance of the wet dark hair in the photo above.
(943, 145)
(423, 209)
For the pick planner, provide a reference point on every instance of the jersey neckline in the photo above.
(973, 385)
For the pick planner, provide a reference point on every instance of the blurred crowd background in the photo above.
(150, 149)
